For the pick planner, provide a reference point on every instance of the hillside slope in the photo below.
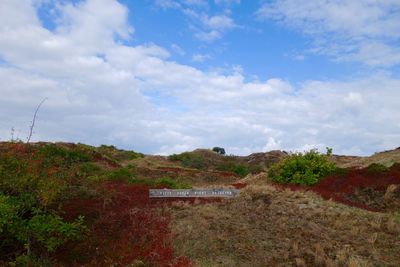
(64, 204)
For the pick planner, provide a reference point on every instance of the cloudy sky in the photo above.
(166, 76)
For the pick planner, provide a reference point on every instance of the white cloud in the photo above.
(227, 2)
(222, 22)
(272, 144)
(102, 91)
(177, 49)
(361, 31)
(208, 36)
(196, 2)
(167, 4)
(212, 28)
(207, 28)
(200, 57)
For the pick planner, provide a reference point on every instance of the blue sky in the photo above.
(264, 49)
(166, 76)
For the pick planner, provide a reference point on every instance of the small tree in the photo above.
(219, 150)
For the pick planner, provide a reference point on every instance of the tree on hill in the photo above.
(219, 150)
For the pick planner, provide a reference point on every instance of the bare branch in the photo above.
(12, 134)
(34, 120)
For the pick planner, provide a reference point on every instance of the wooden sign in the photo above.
(216, 192)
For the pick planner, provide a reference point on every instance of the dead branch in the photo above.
(34, 120)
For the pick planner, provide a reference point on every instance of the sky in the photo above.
(167, 76)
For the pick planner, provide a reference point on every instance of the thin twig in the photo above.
(34, 120)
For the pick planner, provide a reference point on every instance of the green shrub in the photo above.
(395, 166)
(8, 213)
(130, 155)
(189, 160)
(50, 231)
(121, 174)
(171, 183)
(302, 169)
(119, 154)
(25, 226)
(376, 168)
(240, 169)
(174, 157)
(256, 168)
(54, 154)
(341, 171)
(89, 168)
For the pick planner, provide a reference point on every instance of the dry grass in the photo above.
(386, 158)
(268, 227)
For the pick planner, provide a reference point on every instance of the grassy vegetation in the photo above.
(240, 169)
(119, 154)
(213, 161)
(302, 169)
(189, 160)
(376, 168)
(35, 181)
(295, 228)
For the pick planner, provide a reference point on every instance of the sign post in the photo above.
(217, 192)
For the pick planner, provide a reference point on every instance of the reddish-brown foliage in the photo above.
(175, 169)
(227, 174)
(127, 225)
(239, 185)
(340, 188)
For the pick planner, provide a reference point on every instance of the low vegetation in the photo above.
(38, 179)
(267, 226)
(302, 168)
(189, 160)
(213, 160)
(119, 154)
(78, 205)
(376, 168)
(240, 169)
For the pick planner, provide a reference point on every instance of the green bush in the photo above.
(376, 168)
(119, 154)
(89, 168)
(171, 183)
(341, 171)
(55, 155)
(25, 226)
(50, 231)
(121, 174)
(35, 181)
(189, 160)
(256, 169)
(302, 169)
(240, 169)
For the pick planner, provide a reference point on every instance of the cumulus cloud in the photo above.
(362, 31)
(101, 90)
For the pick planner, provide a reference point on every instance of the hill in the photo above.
(64, 204)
